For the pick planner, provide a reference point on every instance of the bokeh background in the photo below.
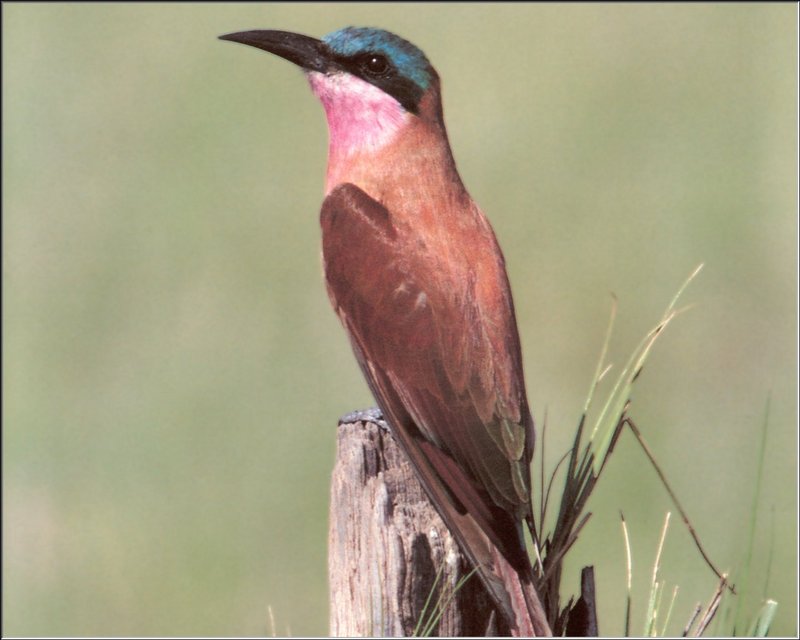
(172, 373)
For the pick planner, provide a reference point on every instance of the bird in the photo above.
(415, 273)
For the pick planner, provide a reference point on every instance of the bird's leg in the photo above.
(373, 414)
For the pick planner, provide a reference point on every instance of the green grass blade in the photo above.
(424, 617)
(669, 611)
(628, 574)
(691, 277)
(444, 602)
(763, 621)
(771, 553)
(601, 369)
(656, 588)
(608, 419)
(743, 580)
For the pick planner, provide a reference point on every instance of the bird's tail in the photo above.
(529, 614)
(509, 584)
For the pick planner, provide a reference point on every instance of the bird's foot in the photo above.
(373, 414)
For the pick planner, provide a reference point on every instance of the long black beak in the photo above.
(305, 51)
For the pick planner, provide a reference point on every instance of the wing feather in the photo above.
(437, 361)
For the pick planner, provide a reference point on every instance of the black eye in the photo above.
(375, 64)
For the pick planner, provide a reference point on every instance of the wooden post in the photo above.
(387, 544)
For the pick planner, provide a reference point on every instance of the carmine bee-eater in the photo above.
(415, 273)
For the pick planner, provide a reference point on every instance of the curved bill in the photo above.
(305, 51)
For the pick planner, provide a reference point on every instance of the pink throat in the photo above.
(360, 116)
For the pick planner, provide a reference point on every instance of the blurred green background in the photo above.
(173, 373)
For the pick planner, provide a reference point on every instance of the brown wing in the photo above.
(445, 370)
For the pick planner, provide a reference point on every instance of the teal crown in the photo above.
(409, 61)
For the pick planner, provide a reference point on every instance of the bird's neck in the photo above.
(374, 142)
(362, 119)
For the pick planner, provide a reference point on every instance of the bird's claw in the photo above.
(373, 414)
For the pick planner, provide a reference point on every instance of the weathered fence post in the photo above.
(387, 545)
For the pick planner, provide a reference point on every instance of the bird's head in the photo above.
(370, 81)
